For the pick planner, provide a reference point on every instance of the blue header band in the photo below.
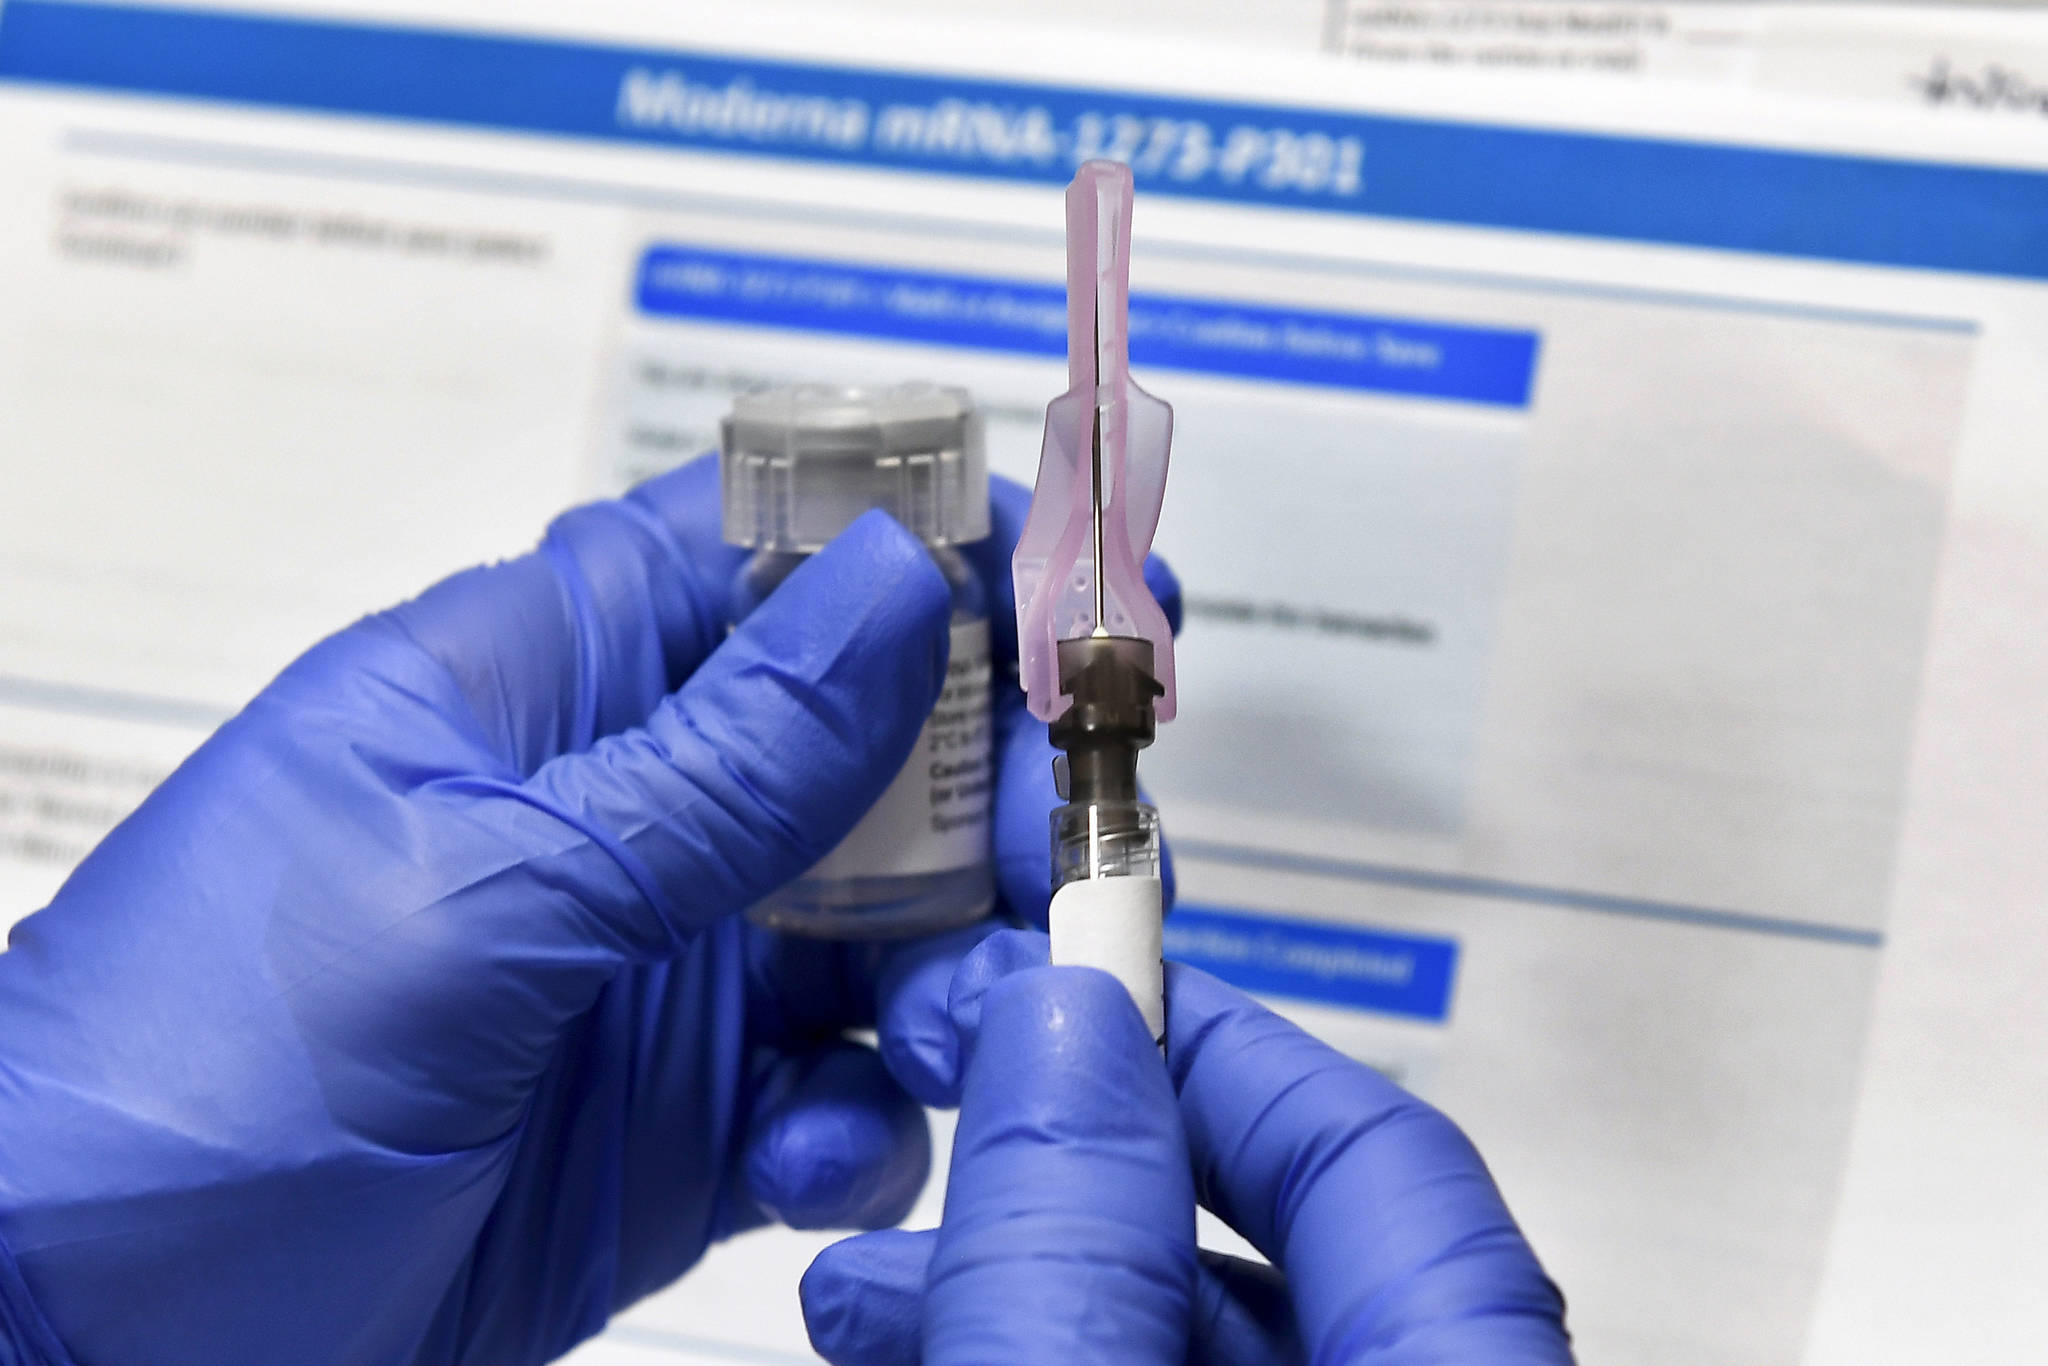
(1841, 208)
(1294, 346)
(1395, 974)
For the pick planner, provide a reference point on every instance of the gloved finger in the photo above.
(863, 1302)
(1169, 880)
(1003, 954)
(1069, 1227)
(913, 1027)
(1024, 799)
(863, 1305)
(542, 890)
(1242, 1315)
(803, 992)
(584, 636)
(1378, 1209)
(863, 1298)
(1009, 504)
(1165, 587)
(1030, 1161)
(758, 765)
(935, 999)
(835, 1142)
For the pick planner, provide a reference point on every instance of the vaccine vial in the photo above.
(797, 465)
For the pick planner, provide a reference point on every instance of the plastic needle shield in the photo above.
(1102, 471)
(1094, 650)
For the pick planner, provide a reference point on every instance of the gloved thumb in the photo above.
(764, 759)
(863, 1298)
(1069, 1231)
(535, 893)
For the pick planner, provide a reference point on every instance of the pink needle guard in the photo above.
(1055, 565)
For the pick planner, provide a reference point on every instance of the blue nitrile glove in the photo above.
(1068, 1236)
(411, 1021)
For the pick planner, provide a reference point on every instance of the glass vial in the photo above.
(798, 464)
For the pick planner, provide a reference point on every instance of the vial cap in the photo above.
(799, 462)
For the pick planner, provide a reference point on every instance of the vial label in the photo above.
(934, 817)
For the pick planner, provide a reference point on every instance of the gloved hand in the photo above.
(411, 1019)
(1068, 1235)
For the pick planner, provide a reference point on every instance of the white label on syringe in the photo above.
(935, 816)
(1115, 923)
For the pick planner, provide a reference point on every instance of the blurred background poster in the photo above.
(1608, 491)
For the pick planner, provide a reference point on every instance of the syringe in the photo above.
(1095, 651)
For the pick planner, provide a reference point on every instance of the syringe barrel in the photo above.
(1108, 899)
(1104, 839)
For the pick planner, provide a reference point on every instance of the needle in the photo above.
(1095, 505)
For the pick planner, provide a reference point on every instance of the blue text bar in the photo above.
(1843, 208)
(1394, 973)
(1295, 346)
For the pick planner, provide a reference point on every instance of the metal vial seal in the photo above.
(797, 465)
